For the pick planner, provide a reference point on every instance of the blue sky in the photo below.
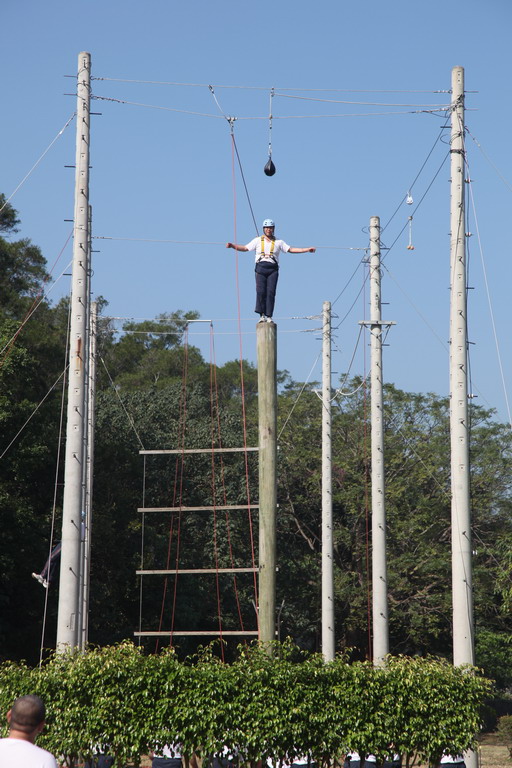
(159, 174)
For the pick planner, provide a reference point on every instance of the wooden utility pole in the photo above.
(266, 340)
(328, 637)
(69, 590)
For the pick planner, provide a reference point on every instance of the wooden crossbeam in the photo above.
(196, 450)
(196, 570)
(220, 508)
(208, 633)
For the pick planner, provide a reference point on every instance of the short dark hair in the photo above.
(27, 713)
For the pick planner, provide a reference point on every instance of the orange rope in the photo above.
(228, 531)
(180, 462)
(166, 580)
(182, 467)
(214, 497)
(244, 420)
(177, 466)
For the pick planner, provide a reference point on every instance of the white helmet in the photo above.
(268, 223)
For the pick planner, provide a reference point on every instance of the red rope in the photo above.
(214, 498)
(181, 472)
(244, 420)
(166, 580)
(180, 462)
(177, 466)
(223, 479)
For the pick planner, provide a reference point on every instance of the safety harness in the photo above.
(271, 254)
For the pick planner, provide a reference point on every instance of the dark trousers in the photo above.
(49, 567)
(166, 762)
(101, 761)
(267, 274)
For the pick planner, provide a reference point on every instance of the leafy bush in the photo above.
(260, 706)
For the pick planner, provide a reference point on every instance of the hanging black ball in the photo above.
(270, 168)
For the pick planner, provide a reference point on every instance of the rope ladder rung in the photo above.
(174, 451)
(196, 633)
(179, 571)
(205, 508)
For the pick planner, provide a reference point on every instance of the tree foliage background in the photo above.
(156, 391)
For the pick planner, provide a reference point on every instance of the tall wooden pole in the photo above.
(266, 339)
(462, 580)
(328, 637)
(379, 563)
(69, 592)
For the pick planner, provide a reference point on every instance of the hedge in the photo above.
(127, 703)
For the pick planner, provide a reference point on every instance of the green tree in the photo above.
(418, 512)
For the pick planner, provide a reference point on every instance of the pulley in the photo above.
(270, 168)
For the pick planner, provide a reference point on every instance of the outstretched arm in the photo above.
(302, 250)
(236, 247)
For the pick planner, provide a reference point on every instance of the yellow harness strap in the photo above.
(271, 254)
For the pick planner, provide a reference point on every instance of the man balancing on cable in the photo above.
(267, 266)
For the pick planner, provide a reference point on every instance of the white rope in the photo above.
(211, 242)
(35, 308)
(410, 445)
(299, 395)
(413, 305)
(352, 114)
(18, 433)
(260, 87)
(130, 420)
(154, 106)
(154, 240)
(56, 483)
(217, 333)
(489, 301)
(442, 107)
(37, 162)
(340, 390)
(265, 117)
(502, 177)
